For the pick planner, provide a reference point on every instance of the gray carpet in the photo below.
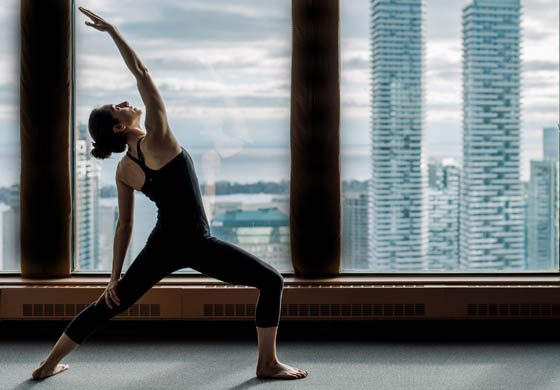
(338, 355)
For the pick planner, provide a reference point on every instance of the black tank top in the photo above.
(174, 189)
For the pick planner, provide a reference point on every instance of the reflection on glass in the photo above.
(226, 92)
(435, 177)
(10, 141)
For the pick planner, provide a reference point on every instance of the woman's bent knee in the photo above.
(275, 281)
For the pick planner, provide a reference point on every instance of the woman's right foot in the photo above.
(43, 372)
(280, 371)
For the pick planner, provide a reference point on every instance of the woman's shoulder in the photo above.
(158, 152)
(157, 143)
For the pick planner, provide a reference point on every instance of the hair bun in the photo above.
(100, 151)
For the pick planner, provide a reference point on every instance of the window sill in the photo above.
(344, 297)
(297, 281)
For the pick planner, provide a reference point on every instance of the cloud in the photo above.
(441, 113)
(9, 113)
(203, 113)
(249, 9)
(101, 81)
(10, 11)
(9, 73)
(231, 60)
(352, 112)
(538, 65)
(262, 57)
(208, 21)
(124, 12)
(358, 62)
(354, 19)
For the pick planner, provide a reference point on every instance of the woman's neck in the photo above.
(133, 136)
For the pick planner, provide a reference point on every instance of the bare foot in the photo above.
(43, 372)
(280, 371)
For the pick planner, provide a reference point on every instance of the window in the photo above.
(223, 70)
(449, 114)
(10, 140)
(450, 165)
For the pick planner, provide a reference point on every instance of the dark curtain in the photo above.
(315, 209)
(44, 115)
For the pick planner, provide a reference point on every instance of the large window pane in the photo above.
(10, 139)
(449, 131)
(223, 70)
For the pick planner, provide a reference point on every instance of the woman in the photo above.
(158, 166)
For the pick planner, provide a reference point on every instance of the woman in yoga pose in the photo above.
(163, 170)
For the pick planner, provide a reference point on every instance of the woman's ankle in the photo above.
(267, 362)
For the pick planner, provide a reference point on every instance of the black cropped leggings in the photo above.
(165, 253)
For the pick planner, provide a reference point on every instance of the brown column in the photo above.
(44, 115)
(315, 139)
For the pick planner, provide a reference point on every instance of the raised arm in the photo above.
(156, 116)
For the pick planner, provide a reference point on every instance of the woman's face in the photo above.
(125, 113)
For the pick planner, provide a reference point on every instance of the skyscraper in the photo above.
(550, 143)
(544, 206)
(543, 216)
(492, 220)
(108, 218)
(86, 204)
(443, 200)
(355, 230)
(398, 186)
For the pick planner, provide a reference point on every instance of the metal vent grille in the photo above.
(142, 310)
(320, 309)
(70, 310)
(513, 309)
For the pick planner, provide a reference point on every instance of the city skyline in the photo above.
(240, 93)
(412, 225)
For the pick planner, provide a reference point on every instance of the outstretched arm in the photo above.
(156, 116)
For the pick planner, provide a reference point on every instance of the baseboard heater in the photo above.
(304, 302)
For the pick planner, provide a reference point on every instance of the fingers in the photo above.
(109, 293)
(115, 298)
(98, 22)
(89, 13)
(94, 17)
(108, 302)
(95, 26)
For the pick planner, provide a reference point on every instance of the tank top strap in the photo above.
(140, 155)
(135, 160)
(140, 160)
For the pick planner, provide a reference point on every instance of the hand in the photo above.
(110, 292)
(99, 24)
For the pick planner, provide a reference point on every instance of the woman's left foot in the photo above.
(43, 372)
(279, 370)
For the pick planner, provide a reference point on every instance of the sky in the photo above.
(223, 70)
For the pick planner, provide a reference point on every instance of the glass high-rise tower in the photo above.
(492, 219)
(86, 203)
(543, 206)
(443, 201)
(550, 143)
(398, 219)
(355, 230)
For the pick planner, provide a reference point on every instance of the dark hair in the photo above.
(100, 125)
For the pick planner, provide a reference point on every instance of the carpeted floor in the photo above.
(435, 355)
